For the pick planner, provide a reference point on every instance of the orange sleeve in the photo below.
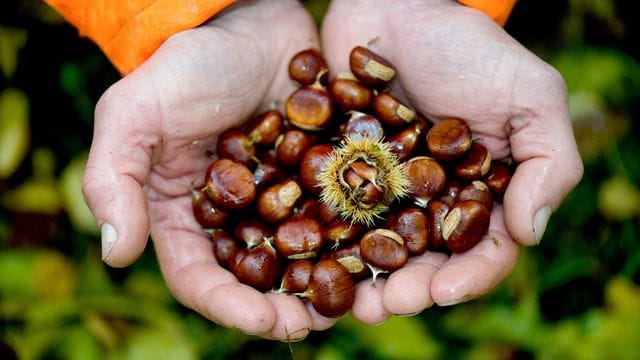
(498, 10)
(129, 31)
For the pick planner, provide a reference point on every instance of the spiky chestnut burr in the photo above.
(361, 178)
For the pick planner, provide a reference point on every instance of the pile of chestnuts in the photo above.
(345, 183)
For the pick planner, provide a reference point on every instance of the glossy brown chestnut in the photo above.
(478, 191)
(229, 184)
(291, 147)
(405, 143)
(331, 289)
(339, 232)
(252, 231)
(259, 267)
(328, 213)
(498, 178)
(412, 225)
(268, 170)
(391, 111)
(306, 66)
(450, 192)
(296, 275)
(309, 207)
(299, 237)
(275, 204)
(449, 139)
(312, 163)
(206, 213)
(384, 249)
(436, 212)
(309, 108)
(265, 128)
(474, 164)
(224, 246)
(370, 68)
(350, 257)
(427, 178)
(349, 94)
(465, 225)
(362, 125)
(234, 145)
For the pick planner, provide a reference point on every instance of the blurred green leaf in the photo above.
(618, 198)
(14, 129)
(153, 343)
(11, 41)
(79, 344)
(73, 200)
(397, 338)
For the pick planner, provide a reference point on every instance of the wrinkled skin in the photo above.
(153, 128)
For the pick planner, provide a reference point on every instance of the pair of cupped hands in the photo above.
(153, 129)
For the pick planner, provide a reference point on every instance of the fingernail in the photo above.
(456, 301)
(540, 220)
(109, 237)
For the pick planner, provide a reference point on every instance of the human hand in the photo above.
(453, 61)
(152, 131)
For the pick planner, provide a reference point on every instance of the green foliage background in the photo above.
(576, 296)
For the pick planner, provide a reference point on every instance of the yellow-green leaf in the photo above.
(73, 200)
(14, 130)
(11, 41)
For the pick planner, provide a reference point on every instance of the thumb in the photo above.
(549, 164)
(117, 167)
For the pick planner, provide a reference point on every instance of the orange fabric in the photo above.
(498, 10)
(129, 31)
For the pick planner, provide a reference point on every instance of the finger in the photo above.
(367, 306)
(118, 164)
(198, 282)
(549, 164)
(293, 322)
(319, 322)
(468, 275)
(406, 291)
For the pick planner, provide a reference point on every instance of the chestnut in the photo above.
(350, 257)
(224, 246)
(206, 213)
(268, 170)
(404, 144)
(339, 232)
(449, 139)
(309, 207)
(349, 94)
(362, 125)
(308, 66)
(383, 250)
(265, 128)
(234, 145)
(309, 108)
(391, 111)
(474, 164)
(478, 191)
(331, 289)
(252, 231)
(275, 204)
(291, 146)
(229, 184)
(259, 267)
(412, 225)
(427, 178)
(298, 237)
(436, 212)
(465, 225)
(450, 192)
(370, 68)
(498, 178)
(311, 164)
(296, 275)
